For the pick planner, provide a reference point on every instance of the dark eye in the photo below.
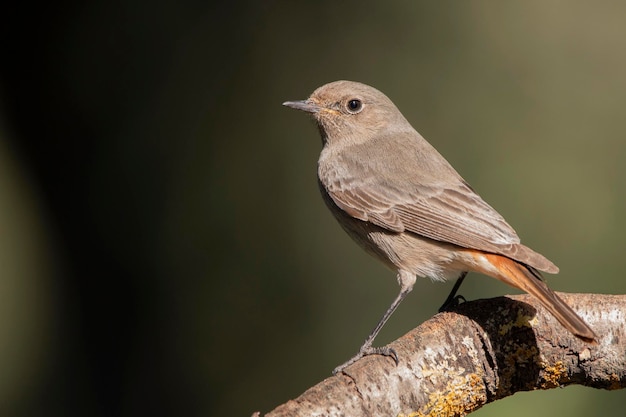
(354, 106)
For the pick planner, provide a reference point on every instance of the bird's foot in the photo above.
(450, 303)
(366, 351)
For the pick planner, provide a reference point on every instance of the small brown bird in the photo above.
(398, 198)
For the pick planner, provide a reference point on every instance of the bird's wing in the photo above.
(454, 214)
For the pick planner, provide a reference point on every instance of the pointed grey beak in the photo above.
(304, 105)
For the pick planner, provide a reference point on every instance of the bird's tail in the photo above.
(528, 279)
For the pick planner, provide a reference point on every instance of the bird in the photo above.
(402, 201)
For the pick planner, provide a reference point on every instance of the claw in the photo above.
(455, 301)
(366, 351)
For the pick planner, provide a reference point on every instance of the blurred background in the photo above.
(163, 246)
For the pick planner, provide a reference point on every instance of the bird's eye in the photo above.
(354, 106)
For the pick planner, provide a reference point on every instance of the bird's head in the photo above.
(351, 111)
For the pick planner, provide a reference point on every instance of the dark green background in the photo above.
(163, 246)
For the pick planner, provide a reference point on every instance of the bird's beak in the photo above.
(304, 105)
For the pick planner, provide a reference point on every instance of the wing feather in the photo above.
(457, 216)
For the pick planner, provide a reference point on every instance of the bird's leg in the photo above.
(453, 299)
(406, 280)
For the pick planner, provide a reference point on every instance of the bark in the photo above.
(482, 351)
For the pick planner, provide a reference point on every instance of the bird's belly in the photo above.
(419, 255)
(406, 251)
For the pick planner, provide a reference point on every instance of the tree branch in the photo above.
(484, 350)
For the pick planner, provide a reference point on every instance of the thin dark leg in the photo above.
(367, 348)
(453, 299)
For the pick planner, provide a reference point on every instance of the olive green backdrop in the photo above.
(163, 246)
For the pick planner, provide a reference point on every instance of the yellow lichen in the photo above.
(615, 382)
(522, 320)
(552, 374)
(462, 395)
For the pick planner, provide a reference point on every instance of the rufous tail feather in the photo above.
(526, 279)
